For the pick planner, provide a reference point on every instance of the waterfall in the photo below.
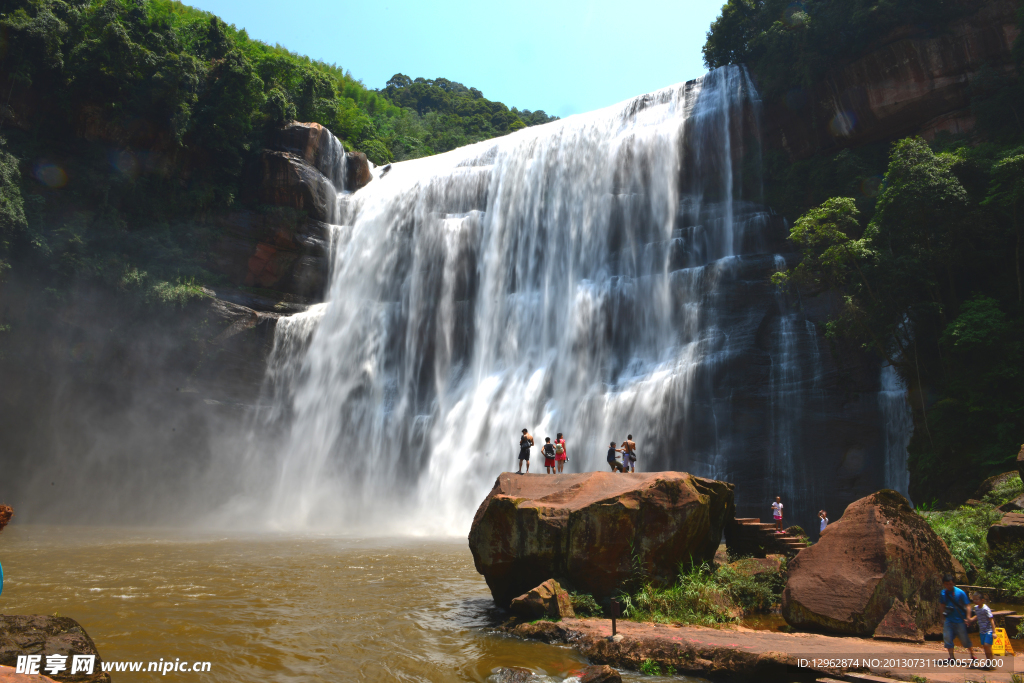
(601, 275)
(899, 427)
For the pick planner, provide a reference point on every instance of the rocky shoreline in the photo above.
(741, 654)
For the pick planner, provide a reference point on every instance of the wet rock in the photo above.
(285, 179)
(587, 530)
(357, 171)
(315, 145)
(6, 512)
(278, 250)
(512, 674)
(899, 624)
(42, 635)
(1009, 530)
(880, 551)
(548, 599)
(8, 674)
(599, 674)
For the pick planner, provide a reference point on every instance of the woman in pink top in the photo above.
(561, 454)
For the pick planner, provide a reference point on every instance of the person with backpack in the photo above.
(525, 443)
(561, 455)
(958, 613)
(549, 455)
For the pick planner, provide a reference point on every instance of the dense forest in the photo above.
(924, 269)
(144, 115)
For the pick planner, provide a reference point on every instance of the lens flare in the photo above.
(49, 174)
(843, 124)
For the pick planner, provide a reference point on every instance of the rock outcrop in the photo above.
(989, 485)
(879, 552)
(42, 635)
(548, 599)
(315, 145)
(357, 171)
(1020, 462)
(1009, 530)
(285, 179)
(917, 80)
(595, 531)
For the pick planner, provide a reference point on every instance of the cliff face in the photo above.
(918, 80)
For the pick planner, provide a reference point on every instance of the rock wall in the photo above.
(917, 80)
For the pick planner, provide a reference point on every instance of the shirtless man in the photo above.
(629, 454)
(525, 442)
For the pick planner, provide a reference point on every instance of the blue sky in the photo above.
(563, 57)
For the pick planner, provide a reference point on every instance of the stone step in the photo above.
(748, 520)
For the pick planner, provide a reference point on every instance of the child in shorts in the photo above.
(777, 514)
(986, 629)
(549, 455)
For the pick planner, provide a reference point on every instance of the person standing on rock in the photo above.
(549, 455)
(777, 514)
(561, 454)
(629, 454)
(958, 612)
(525, 442)
(613, 460)
(823, 516)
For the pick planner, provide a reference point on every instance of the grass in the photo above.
(705, 597)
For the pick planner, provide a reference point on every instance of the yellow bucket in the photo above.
(1001, 643)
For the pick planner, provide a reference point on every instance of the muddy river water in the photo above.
(271, 608)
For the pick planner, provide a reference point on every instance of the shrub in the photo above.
(964, 532)
(584, 605)
(1004, 568)
(753, 593)
(697, 598)
(1005, 491)
(650, 668)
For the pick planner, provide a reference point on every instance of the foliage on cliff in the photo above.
(932, 283)
(791, 44)
(134, 121)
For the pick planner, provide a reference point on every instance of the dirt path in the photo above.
(739, 653)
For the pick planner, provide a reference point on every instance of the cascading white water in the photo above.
(899, 427)
(583, 277)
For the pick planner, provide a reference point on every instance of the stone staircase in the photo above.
(750, 536)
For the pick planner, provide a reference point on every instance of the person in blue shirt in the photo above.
(958, 613)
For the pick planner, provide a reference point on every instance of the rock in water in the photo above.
(899, 624)
(600, 674)
(546, 600)
(595, 531)
(37, 634)
(6, 512)
(879, 552)
(1009, 530)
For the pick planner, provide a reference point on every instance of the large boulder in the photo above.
(992, 483)
(879, 552)
(595, 531)
(38, 634)
(546, 600)
(1009, 531)
(315, 145)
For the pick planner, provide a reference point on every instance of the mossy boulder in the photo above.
(879, 552)
(595, 531)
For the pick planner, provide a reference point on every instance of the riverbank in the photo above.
(742, 654)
